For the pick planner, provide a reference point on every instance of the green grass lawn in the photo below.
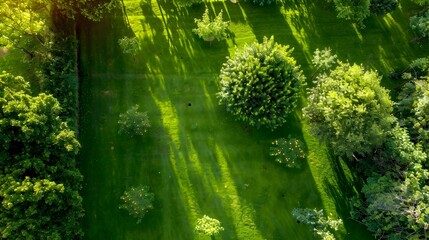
(196, 158)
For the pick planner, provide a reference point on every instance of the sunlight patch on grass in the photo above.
(291, 17)
(242, 213)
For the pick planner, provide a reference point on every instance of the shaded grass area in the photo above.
(196, 158)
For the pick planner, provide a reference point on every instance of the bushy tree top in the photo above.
(420, 24)
(210, 30)
(261, 83)
(137, 201)
(133, 122)
(39, 181)
(349, 109)
(208, 226)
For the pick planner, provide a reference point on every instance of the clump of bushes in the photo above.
(420, 24)
(288, 151)
(137, 201)
(133, 122)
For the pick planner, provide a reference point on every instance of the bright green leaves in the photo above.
(208, 226)
(211, 30)
(24, 25)
(350, 110)
(40, 182)
(321, 224)
(261, 84)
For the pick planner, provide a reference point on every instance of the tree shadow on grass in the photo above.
(346, 186)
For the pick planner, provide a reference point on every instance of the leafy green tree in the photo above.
(420, 24)
(288, 151)
(382, 7)
(211, 30)
(350, 110)
(24, 25)
(208, 226)
(413, 111)
(39, 187)
(133, 122)
(137, 201)
(261, 83)
(321, 224)
(129, 45)
(353, 10)
(396, 203)
(91, 9)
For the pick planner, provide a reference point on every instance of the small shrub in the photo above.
(208, 226)
(133, 122)
(211, 30)
(288, 151)
(322, 225)
(382, 7)
(420, 24)
(137, 201)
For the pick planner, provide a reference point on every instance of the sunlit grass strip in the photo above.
(242, 213)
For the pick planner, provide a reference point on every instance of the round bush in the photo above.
(137, 201)
(288, 151)
(261, 83)
(133, 122)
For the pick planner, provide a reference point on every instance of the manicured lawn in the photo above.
(196, 158)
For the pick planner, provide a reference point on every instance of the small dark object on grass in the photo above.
(189, 104)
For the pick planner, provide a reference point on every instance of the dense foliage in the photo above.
(39, 179)
(137, 201)
(208, 226)
(321, 224)
(211, 30)
(288, 151)
(133, 122)
(261, 83)
(420, 24)
(349, 109)
(381, 7)
(24, 25)
(413, 108)
(396, 203)
(353, 10)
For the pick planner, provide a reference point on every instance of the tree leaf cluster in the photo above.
(133, 122)
(261, 84)
(420, 24)
(288, 151)
(382, 7)
(208, 226)
(39, 190)
(349, 109)
(396, 196)
(322, 225)
(210, 30)
(137, 201)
